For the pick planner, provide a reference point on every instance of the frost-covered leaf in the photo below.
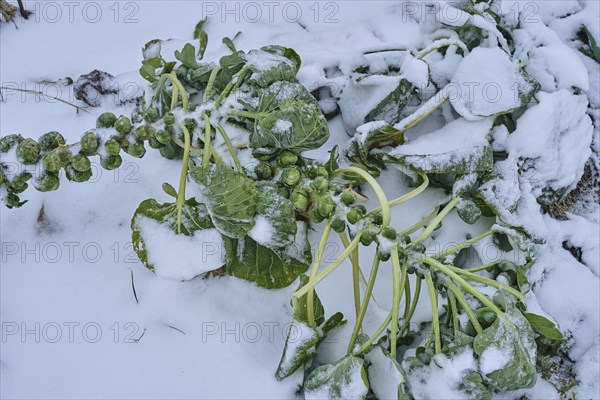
(275, 225)
(544, 327)
(270, 64)
(507, 352)
(487, 83)
(386, 376)
(346, 379)
(468, 211)
(301, 310)
(231, 198)
(297, 126)
(300, 347)
(266, 267)
(195, 218)
(391, 107)
(472, 385)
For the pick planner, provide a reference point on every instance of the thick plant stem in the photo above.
(234, 156)
(454, 310)
(207, 143)
(412, 229)
(310, 296)
(182, 178)
(353, 257)
(435, 318)
(365, 303)
(404, 198)
(383, 201)
(445, 42)
(465, 306)
(375, 335)
(396, 278)
(174, 96)
(462, 245)
(436, 221)
(330, 268)
(413, 306)
(184, 98)
(355, 272)
(406, 298)
(483, 267)
(230, 86)
(423, 111)
(466, 285)
(211, 83)
(487, 281)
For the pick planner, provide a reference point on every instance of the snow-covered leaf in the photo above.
(344, 380)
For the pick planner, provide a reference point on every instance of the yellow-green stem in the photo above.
(465, 306)
(396, 278)
(182, 178)
(207, 143)
(436, 221)
(310, 296)
(365, 303)
(462, 245)
(211, 82)
(435, 318)
(412, 229)
(234, 156)
(355, 272)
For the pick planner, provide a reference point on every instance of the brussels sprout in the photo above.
(123, 125)
(283, 191)
(326, 206)
(468, 211)
(151, 115)
(12, 200)
(136, 150)
(141, 133)
(155, 144)
(111, 162)
(89, 143)
(9, 141)
(81, 163)
(348, 198)
(112, 147)
(389, 233)
(287, 159)
(320, 183)
(47, 182)
(78, 176)
(190, 124)
(106, 120)
(52, 162)
(317, 170)
(383, 256)
(169, 119)
(353, 216)
(367, 238)
(299, 198)
(290, 176)
(65, 156)
(377, 218)
(338, 225)
(19, 182)
(28, 151)
(315, 215)
(361, 209)
(163, 137)
(170, 150)
(51, 140)
(263, 170)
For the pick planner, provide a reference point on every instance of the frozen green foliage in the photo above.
(106, 120)
(111, 162)
(344, 379)
(89, 143)
(47, 182)
(81, 163)
(50, 141)
(112, 147)
(28, 151)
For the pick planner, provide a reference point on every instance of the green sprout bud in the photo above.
(123, 125)
(169, 119)
(383, 256)
(348, 198)
(9, 141)
(367, 238)
(136, 150)
(322, 171)
(47, 182)
(338, 225)
(314, 215)
(155, 144)
(51, 140)
(151, 115)
(28, 151)
(320, 183)
(326, 206)
(190, 124)
(12, 200)
(19, 182)
(170, 151)
(263, 170)
(111, 162)
(81, 163)
(353, 216)
(52, 162)
(168, 189)
(283, 191)
(163, 137)
(361, 209)
(377, 218)
(141, 133)
(78, 176)
(299, 198)
(112, 147)
(389, 233)
(106, 120)
(89, 143)
(65, 156)
(287, 159)
(290, 176)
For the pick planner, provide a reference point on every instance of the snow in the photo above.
(262, 231)
(176, 256)
(493, 359)
(384, 374)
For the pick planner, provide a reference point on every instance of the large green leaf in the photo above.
(194, 217)
(275, 218)
(345, 379)
(544, 327)
(297, 126)
(300, 348)
(506, 351)
(266, 267)
(231, 198)
(269, 65)
(386, 376)
(187, 56)
(391, 107)
(472, 384)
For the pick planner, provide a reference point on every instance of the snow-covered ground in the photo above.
(72, 325)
